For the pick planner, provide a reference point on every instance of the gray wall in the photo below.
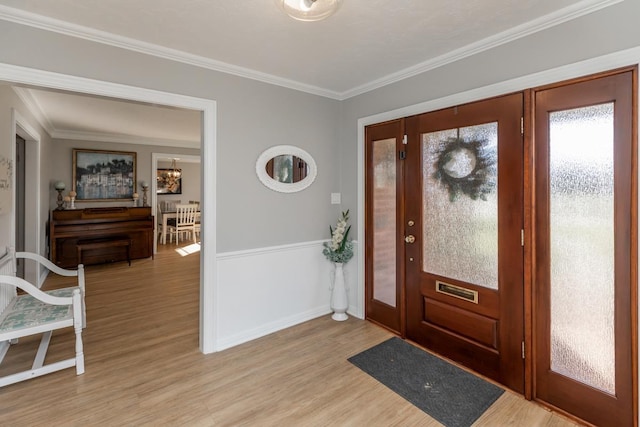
(252, 116)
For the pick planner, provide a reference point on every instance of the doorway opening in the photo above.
(156, 159)
(208, 282)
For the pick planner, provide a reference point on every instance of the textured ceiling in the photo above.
(366, 44)
(366, 40)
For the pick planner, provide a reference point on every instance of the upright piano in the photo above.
(68, 227)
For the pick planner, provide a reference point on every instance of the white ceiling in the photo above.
(90, 118)
(366, 44)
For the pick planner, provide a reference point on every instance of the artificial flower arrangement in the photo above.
(340, 248)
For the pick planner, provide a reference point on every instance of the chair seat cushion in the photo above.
(28, 311)
(27, 302)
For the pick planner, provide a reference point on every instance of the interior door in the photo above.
(383, 222)
(20, 203)
(586, 248)
(463, 222)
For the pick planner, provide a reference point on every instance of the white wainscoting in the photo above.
(7, 293)
(264, 290)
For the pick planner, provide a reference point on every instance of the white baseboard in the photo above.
(272, 327)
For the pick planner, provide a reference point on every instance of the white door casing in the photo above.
(208, 280)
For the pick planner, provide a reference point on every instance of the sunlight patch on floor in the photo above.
(188, 250)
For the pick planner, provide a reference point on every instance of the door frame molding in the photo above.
(531, 233)
(22, 127)
(625, 58)
(209, 303)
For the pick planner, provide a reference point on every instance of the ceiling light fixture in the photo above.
(174, 173)
(309, 10)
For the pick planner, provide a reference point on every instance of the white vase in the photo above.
(339, 301)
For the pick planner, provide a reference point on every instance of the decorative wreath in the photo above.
(466, 167)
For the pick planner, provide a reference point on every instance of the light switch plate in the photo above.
(335, 198)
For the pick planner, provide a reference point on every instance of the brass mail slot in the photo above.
(457, 292)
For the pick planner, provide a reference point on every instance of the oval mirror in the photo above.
(286, 168)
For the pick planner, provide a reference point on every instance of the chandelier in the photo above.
(309, 10)
(174, 173)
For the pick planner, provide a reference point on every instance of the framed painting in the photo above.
(168, 181)
(104, 175)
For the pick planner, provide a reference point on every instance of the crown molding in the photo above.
(569, 13)
(22, 17)
(122, 139)
(34, 108)
(544, 22)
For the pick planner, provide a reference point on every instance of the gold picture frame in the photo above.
(104, 175)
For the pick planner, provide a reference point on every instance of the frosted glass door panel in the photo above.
(384, 227)
(460, 204)
(582, 245)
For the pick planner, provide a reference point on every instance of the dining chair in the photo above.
(197, 226)
(185, 222)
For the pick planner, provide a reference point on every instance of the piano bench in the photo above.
(102, 243)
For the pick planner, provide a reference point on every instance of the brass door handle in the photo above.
(410, 238)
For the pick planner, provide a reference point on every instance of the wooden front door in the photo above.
(383, 222)
(463, 227)
(585, 227)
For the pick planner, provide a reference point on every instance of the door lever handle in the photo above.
(410, 238)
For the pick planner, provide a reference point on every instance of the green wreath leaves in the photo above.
(478, 182)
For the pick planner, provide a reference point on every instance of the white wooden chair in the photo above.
(37, 312)
(44, 262)
(185, 222)
(197, 226)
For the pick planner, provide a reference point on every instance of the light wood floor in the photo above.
(143, 366)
